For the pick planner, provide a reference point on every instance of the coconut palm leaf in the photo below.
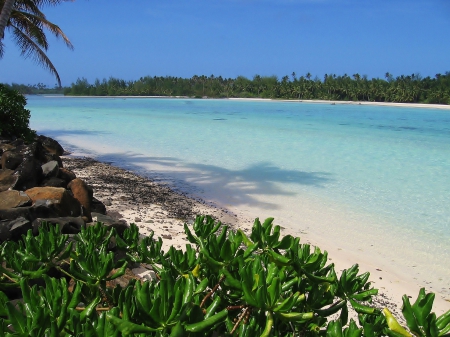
(30, 49)
(28, 26)
(33, 21)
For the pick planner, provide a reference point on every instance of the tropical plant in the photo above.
(226, 284)
(27, 25)
(15, 118)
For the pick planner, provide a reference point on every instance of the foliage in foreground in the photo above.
(13, 115)
(223, 283)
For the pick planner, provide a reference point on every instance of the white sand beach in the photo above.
(398, 105)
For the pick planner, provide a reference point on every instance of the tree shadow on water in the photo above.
(265, 179)
(226, 186)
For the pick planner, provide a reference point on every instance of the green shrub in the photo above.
(13, 115)
(225, 283)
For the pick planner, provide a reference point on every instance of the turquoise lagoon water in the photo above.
(365, 169)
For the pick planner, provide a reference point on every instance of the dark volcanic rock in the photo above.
(11, 160)
(67, 175)
(13, 213)
(51, 145)
(39, 210)
(12, 198)
(17, 142)
(14, 229)
(54, 182)
(7, 179)
(24, 168)
(49, 157)
(119, 225)
(29, 173)
(35, 150)
(19, 227)
(98, 207)
(68, 225)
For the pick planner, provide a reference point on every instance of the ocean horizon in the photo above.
(372, 180)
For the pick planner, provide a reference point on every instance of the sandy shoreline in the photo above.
(150, 205)
(156, 207)
(390, 104)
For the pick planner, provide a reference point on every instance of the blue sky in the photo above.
(130, 39)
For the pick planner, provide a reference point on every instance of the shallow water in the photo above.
(368, 172)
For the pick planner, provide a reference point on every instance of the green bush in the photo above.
(225, 283)
(13, 115)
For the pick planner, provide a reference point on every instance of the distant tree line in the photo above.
(35, 89)
(403, 89)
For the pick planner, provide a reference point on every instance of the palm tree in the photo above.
(27, 23)
(5, 13)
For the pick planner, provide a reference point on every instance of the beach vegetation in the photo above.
(401, 89)
(224, 283)
(13, 115)
(28, 26)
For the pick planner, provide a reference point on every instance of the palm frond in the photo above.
(30, 49)
(22, 18)
(41, 3)
(31, 27)
(29, 6)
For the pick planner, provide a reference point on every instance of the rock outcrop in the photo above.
(36, 188)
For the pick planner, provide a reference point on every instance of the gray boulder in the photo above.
(50, 169)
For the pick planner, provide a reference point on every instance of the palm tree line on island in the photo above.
(402, 89)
